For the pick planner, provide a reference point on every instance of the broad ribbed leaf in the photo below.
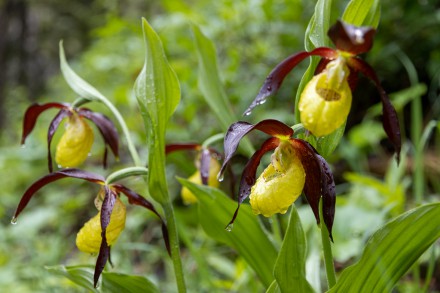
(209, 80)
(391, 251)
(211, 86)
(114, 282)
(111, 282)
(247, 236)
(80, 275)
(327, 144)
(290, 271)
(158, 93)
(362, 13)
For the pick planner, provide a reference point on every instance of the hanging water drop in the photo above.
(220, 177)
(247, 113)
(229, 227)
(261, 102)
(269, 88)
(23, 146)
(14, 220)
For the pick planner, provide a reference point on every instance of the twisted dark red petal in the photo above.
(137, 199)
(250, 172)
(390, 121)
(37, 185)
(328, 192)
(205, 161)
(239, 129)
(312, 167)
(106, 128)
(53, 126)
(276, 76)
(169, 148)
(353, 39)
(104, 250)
(31, 116)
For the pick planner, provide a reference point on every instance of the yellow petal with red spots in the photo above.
(326, 100)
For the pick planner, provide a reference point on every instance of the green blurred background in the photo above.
(103, 43)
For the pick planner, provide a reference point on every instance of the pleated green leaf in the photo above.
(391, 251)
(158, 93)
(247, 236)
(211, 86)
(290, 271)
(111, 282)
(362, 13)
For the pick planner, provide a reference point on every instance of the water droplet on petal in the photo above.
(14, 221)
(89, 154)
(269, 88)
(23, 146)
(220, 177)
(59, 166)
(261, 102)
(229, 227)
(247, 113)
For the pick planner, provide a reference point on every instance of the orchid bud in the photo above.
(214, 167)
(75, 144)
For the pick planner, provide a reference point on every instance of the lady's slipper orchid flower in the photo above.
(207, 168)
(100, 232)
(295, 167)
(326, 100)
(76, 142)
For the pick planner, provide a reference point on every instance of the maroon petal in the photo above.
(205, 161)
(104, 250)
(390, 121)
(31, 116)
(353, 39)
(73, 173)
(239, 129)
(321, 66)
(312, 167)
(105, 126)
(53, 126)
(169, 148)
(276, 76)
(137, 199)
(328, 192)
(250, 172)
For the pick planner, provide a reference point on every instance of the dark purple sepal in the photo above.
(106, 128)
(37, 185)
(312, 168)
(205, 162)
(321, 66)
(390, 121)
(352, 39)
(276, 76)
(31, 116)
(169, 148)
(137, 199)
(239, 129)
(328, 193)
(53, 126)
(250, 172)
(104, 251)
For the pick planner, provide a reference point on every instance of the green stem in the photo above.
(126, 172)
(431, 267)
(174, 245)
(327, 248)
(213, 139)
(416, 131)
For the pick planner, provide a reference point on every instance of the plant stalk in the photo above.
(174, 245)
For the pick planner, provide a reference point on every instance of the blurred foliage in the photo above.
(103, 42)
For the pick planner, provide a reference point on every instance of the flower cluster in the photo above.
(325, 101)
(295, 167)
(76, 142)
